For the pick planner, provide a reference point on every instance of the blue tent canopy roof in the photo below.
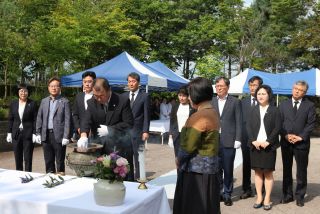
(117, 69)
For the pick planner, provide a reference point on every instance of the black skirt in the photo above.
(264, 159)
(197, 193)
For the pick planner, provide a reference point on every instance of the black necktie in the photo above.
(132, 100)
(295, 107)
(253, 102)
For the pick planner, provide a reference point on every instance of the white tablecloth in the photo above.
(161, 126)
(73, 197)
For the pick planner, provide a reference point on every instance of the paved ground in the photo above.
(159, 160)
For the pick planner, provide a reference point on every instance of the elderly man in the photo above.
(298, 116)
(229, 109)
(53, 127)
(109, 117)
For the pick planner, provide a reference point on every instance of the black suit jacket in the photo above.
(28, 119)
(174, 128)
(272, 124)
(118, 118)
(246, 109)
(230, 121)
(301, 124)
(78, 110)
(141, 113)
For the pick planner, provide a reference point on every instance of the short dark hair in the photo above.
(225, 79)
(54, 79)
(101, 83)
(23, 86)
(183, 90)
(90, 74)
(135, 76)
(254, 78)
(200, 89)
(269, 91)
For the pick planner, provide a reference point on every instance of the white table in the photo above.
(73, 197)
(161, 126)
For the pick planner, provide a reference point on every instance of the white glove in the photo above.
(65, 142)
(37, 139)
(170, 141)
(82, 142)
(103, 131)
(34, 138)
(237, 144)
(9, 138)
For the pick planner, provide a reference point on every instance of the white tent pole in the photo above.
(147, 89)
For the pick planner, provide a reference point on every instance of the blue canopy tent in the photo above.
(239, 83)
(174, 80)
(280, 83)
(116, 71)
(312, 77)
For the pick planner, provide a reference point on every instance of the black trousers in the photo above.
(246, 167)
(54, 154)
(23, 150)
(302, 158)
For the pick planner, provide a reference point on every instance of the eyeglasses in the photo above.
(23, 91)
(54, 86)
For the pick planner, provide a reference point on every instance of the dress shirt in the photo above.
(52, 108)
(22, 106)
(182, 115)
(262, 135)
(221, 103)
(298, 105)
(87, 96)
(135, 94)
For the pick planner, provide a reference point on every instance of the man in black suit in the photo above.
(229, 109)
(140, 106)
(80, 105)
(108, 116)
(298, 120)
(246, 104)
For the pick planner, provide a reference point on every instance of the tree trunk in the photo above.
(229, 67)
(5, 69)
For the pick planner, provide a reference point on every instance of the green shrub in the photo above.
(4, 113)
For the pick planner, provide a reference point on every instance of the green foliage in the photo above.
(4, 113)
(210, 66)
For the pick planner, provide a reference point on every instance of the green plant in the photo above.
(4, 113)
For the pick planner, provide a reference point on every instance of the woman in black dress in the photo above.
(263, 128)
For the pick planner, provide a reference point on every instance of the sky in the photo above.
(247, 2)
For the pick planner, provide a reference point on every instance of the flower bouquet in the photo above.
(111, 170)
(111, 167)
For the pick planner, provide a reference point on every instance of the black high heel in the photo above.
(257, 206)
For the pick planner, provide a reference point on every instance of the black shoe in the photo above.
(267, 207)
(257, 206)
(246, 195)
(286, 200)
(300, 203)
(228, 202)
(221, 198)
